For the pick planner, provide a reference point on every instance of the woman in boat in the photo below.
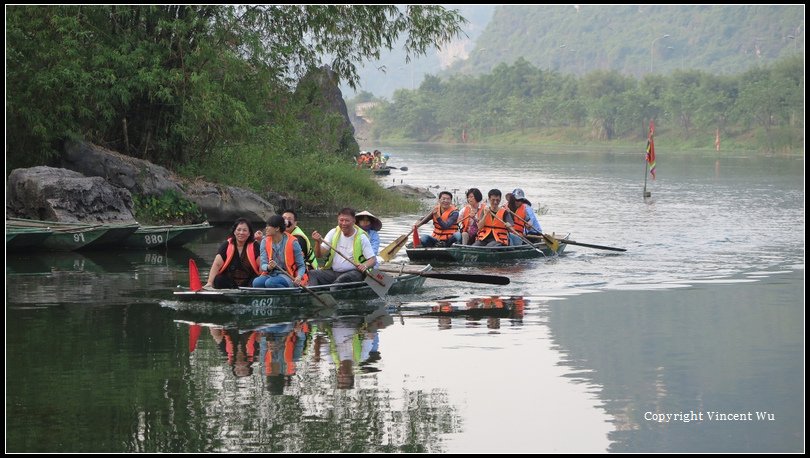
(468, 216)
(280, 253)
(525, 219)
(372, 225)
(237, 260)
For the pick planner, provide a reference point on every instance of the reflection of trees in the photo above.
(690, 349)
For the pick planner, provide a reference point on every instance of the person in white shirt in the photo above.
(350, 240)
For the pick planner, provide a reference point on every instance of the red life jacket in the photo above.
(251, 255)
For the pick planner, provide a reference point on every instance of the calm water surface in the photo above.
(701, 318)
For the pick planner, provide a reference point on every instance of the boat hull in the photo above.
(469, 254)
(279, 297)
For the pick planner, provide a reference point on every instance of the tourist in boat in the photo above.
(494, 223)
(468, 216)
(352, 242)
(280, 253)
(372, 225)
(445, 223)
(237, 260)
(525, 220)
(291, 219)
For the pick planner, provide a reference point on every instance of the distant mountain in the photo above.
(389, 73)
(637, 39)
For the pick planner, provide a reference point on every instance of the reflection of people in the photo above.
(236, 263)
(281, 346)
(239, 347)
(352, 242)
(445, 222)
(354, 342)
(372, 225)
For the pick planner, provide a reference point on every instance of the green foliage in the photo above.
(169, 208)
(522, 103)
(172, 83)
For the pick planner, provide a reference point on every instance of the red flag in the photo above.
(193, 276)
(416, 241)
(651, 149)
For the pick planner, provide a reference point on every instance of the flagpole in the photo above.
(646, 171)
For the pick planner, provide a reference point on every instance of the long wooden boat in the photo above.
(404, 283)
(457, 253)
(110, 234)
(165, 236)
(63, 236)
(23, 238)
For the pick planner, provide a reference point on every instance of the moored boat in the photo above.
(165, 236)
(403, 283)
(63, 236)
(481, 254)
(23, 238)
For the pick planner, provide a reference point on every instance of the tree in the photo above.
(171, 82)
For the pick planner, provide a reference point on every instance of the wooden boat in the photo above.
(481, 254)
(404, 283)
(112, 234)
(63, 236)
(165, 236)
(23, 238)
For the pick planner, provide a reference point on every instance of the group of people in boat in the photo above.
(479, 223)
(284, 256)
(372, 160)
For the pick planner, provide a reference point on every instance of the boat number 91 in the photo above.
(153, 239)
(78, 237)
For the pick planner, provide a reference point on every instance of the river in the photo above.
(691, 341)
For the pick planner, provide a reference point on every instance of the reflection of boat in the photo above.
(403, 283)
(41, 263)
(483, 307)
(481, 254)
(165, 236)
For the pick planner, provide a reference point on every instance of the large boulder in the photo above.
(224, 204)
(53, 194)
(324, 111)
(136, 175)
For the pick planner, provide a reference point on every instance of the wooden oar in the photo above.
(472, 278)
(553, 244)
(380, 283)
(387, 253)
(494, 215)
(589, 245)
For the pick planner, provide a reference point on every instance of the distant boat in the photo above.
(457, 253)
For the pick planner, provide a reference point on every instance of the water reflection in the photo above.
(477, 309)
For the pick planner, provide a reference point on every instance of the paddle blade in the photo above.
(404, 169)
(379, 281)
(193, 276)
(552, 242)
(393, 248)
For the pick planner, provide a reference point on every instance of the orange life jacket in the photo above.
(251, 255)
(289, 257)
(465, 223)
(520, 219)
(495, 227)
(440, 233)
